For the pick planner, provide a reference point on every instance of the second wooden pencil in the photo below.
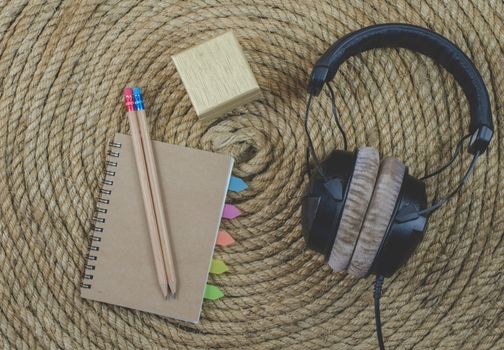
(146, 192)
(155, 190)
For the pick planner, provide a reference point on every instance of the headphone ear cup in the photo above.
(323, 205)
(378, 216)
(403, 236)
(359, 194)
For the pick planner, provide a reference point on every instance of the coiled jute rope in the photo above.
(62, 68)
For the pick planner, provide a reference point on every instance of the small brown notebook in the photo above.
(120, 268)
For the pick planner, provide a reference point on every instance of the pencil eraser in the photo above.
(138, 99)
(216, 76)
(128, 99)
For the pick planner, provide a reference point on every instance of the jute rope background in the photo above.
(62, 68)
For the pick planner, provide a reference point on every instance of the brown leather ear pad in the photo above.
(380, 210)
(358, 197)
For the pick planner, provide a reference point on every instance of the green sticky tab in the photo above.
(212, 292)
(218, 266)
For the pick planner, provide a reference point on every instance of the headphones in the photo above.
(368, 215)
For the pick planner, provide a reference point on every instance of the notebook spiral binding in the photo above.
(102, 201)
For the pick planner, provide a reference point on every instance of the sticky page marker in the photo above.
(230, 211)
(218, 266)
(224, 238)
(236, 184)
(212, 292)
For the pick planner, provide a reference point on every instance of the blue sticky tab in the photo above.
(236, 184)
(138, 99)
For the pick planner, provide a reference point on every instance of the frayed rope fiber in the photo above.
(62, 69)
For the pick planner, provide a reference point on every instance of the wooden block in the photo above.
(216, 76)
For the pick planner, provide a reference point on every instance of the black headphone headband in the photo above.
(428, 43)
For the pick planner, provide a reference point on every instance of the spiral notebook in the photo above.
(120, 267)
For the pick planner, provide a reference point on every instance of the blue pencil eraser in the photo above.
(138, 99)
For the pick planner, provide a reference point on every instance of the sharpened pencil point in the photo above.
(172, 285)
(164, 290)
(172, 292)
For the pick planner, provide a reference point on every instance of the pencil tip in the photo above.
(172, 291)
(164, 290)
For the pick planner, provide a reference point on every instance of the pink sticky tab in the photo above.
(224, 238)
(230, 211)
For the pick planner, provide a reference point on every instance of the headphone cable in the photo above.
(377, 295)
(458, 148)
(444, 200)
(336, 119)
(311, 148)
(310, 142)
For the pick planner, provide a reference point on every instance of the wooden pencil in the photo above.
(146, 192)
(156, 190)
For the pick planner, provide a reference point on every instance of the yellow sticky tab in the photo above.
(218, 266)
(212, 292)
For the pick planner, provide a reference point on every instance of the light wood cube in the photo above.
(217, 76)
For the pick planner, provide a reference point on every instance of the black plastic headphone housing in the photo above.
(322, 215)
(321, 212)
(402, 238)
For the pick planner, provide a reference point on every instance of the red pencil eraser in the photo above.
(128, 99)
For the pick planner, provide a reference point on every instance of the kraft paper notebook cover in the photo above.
(120, 267)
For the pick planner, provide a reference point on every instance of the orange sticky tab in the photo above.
(224, 238)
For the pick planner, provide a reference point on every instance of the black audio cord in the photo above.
(458, 149)
(336, 119)
(310, 142)
(457, 189)
(311, 148)
(377, 295)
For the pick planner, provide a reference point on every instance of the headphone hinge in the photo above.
(480, 140)
(318, 78)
